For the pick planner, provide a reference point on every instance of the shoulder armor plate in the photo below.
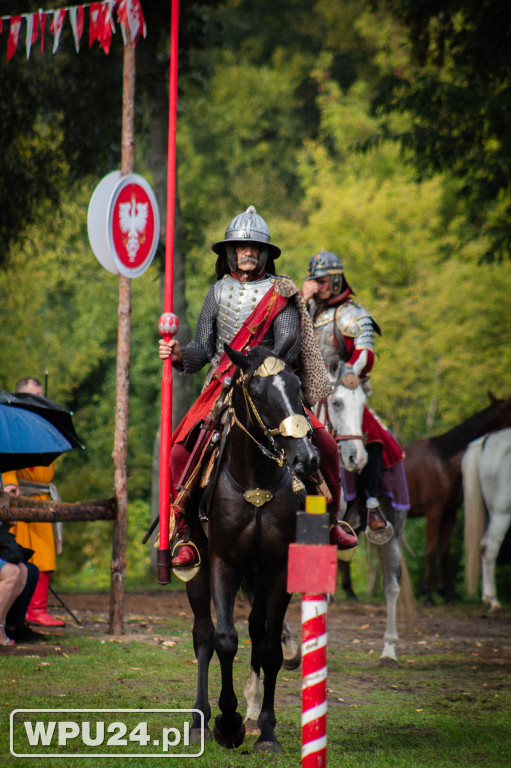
(350, 317)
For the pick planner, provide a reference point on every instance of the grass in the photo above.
(443, 706)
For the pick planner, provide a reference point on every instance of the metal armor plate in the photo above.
(236, 301)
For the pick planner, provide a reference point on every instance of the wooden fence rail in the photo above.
(15, 508)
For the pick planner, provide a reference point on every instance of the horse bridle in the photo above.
(328, 422)
(295, 425)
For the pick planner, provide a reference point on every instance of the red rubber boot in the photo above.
(37, 612)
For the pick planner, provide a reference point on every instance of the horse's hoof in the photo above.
(196, 735)
(268, 747)
(251, 727)
(293, 662)
(232, 740)
(387, 661)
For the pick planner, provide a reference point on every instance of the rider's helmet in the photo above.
(247, 227)
(328, 264)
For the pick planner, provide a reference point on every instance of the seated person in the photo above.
(12, 581)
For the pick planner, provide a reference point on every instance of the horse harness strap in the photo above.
(208, 495)
(257, 496)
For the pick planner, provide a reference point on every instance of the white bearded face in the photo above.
(247, 256)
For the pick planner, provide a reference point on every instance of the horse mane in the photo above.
(456, 439)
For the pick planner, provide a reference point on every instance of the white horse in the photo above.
(486, 468)
(342, 415)
(345, 410)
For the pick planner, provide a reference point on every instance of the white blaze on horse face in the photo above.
(345, 410)
(280, 385)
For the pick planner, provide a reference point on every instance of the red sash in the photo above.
(251, 333)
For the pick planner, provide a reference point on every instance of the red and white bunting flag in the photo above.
(95, 22)
(14, 33)
(76, 17)
(56, 27)
(42, 19)
(32, 28)
(131, 18)
(105, 34)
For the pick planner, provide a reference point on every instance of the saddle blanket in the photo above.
(393, 486)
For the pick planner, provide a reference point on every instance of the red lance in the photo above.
(168, 323)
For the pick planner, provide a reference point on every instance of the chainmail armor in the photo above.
(207, 344)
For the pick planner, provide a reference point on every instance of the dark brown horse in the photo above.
(251, 524)
(435, 485)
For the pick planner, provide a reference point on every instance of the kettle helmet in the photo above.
(247, 227)
(327, 264)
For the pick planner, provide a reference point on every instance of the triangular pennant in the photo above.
(122, 18)
(105, 33)
(94, 22)
(42, 19)
(76, 17)
(131, 19)
(56, 27)
(32, 29)
(14, 33)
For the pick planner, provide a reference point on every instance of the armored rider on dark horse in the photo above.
(248, 306)
(345, 334)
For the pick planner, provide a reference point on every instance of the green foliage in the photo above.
(459, 94)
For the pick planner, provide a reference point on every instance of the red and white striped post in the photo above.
(312, 570)
(168, 322)
(314, 674)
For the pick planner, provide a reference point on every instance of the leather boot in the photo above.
(342, 538)
(37, 612)
(184, 555)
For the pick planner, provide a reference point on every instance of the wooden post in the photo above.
(118, 568)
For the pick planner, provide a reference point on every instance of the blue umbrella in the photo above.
(28, 440)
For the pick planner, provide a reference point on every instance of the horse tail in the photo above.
(406, 599)
(475, 515)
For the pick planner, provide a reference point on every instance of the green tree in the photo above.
(458, 93)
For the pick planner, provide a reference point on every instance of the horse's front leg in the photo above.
(229, 730)
(270, 651)
(444, 538)
(253, 689)
(199, 597)
(432, 527)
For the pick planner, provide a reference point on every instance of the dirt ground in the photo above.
(462, 629)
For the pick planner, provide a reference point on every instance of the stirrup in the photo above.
(345, 554)
(379, 536)
(189, 572)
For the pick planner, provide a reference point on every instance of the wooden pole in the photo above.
(168, 321)
(118, 568)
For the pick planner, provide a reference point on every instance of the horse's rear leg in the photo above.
(390, 559)
(200, 602)
(490, 546)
